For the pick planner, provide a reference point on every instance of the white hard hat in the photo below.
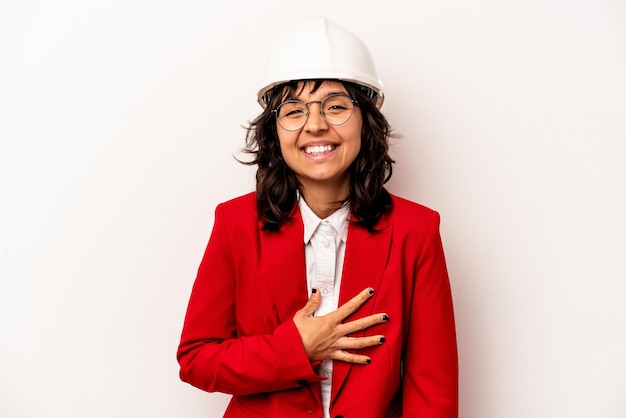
(321, 49)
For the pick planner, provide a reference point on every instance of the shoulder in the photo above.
(239, 209)
(412, 217)
(402, 207)
(245, 202)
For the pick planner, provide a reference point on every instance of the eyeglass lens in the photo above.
(336, 109)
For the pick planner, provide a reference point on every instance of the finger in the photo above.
(362, 323)
(351, 343)
(347, 357)
(312, 304)
(352, 305)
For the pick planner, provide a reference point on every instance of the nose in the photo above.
(315, 121)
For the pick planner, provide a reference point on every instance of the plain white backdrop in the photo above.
(119, 121)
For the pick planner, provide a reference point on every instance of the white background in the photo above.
(119, 121)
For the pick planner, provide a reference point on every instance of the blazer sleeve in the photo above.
(430, 381)
(211, 354)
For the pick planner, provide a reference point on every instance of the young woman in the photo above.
(321, 294)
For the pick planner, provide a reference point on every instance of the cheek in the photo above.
(285, 138)
(287, 146)
(355, 143)
(355, 150)
(357, 131)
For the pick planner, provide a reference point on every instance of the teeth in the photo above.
(318, 149)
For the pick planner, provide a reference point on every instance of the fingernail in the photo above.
(385, 318)
(368, 361)
(314, 290)
(382, 339)
(371, 291)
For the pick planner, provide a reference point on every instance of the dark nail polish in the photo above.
(371, 291)
(385, 318)
(368, 361)
(314, 290)
(382, 339)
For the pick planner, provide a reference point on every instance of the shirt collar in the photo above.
(338, 220)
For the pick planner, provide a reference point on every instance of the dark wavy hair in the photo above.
(277, 185)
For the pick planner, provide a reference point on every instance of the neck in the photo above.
(324, 201)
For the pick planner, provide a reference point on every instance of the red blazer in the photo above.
(239, 336)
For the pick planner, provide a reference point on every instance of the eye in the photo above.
(335, 107)
(292, 109)
(337, 104)
(292, 113)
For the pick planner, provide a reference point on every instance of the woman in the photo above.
(322, 294)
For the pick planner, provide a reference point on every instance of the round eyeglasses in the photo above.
(336, 109)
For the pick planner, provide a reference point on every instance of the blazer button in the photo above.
(338, 416)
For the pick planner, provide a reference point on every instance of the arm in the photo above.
(212, 356)
(430, 382)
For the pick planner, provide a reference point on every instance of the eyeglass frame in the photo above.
(306, 105)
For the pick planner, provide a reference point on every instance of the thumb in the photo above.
(313, 303)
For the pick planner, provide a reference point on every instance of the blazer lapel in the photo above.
(283, 266)
(284, 269)
(364, 264)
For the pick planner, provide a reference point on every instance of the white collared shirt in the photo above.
(325, 248)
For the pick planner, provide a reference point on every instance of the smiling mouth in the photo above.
(319, 149)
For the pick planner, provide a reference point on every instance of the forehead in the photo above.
(306, 90)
